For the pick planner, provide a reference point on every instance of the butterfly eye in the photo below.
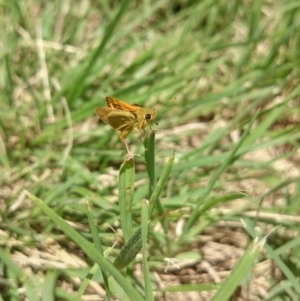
(148, 116)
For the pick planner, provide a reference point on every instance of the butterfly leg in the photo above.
(128, 151)
(129, 154)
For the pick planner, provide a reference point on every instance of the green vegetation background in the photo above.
(233, 67)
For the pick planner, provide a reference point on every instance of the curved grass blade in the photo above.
(88, 248)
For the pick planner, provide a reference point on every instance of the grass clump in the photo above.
(218, 218)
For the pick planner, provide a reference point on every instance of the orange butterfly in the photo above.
(126, 117)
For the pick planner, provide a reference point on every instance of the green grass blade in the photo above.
(149, 144)
(195, 214)
(49, 285)
(95, 268)
(99, 51)
(86, 281)
(281, 264)
(133, 246)
(239, 272)
(126, 190)
(146, 272)
(88, 248)
(129, 250)
(154, 200)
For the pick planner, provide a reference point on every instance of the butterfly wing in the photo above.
(103, 113)
(113, 102)
(122, 121)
